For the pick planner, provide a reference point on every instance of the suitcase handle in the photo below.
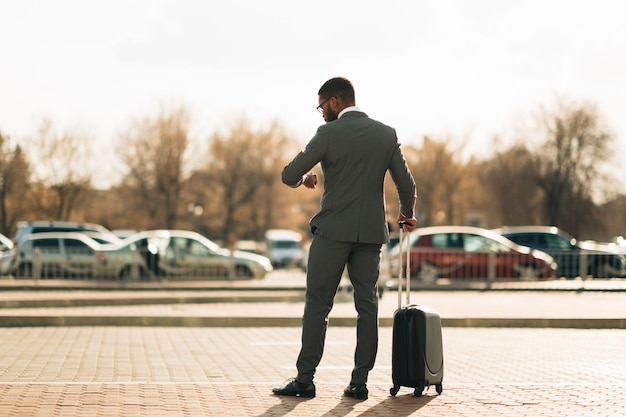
(407, 270)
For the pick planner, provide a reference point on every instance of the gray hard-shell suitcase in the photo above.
(417, 347)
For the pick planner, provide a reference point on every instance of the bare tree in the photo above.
(613, 213)
(567, 161)
(438, 176)
(14, 174)
(61, 171)
(243, 174)
(513, 194)
(153, 150)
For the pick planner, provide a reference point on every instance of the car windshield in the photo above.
(542, 240)
(213, 247)
(183, 245)
(475, 243)
(557, 242)
(286, 244)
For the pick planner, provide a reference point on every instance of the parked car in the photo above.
(464, 252)
(284, 248)
(73, 254)
(601, 262)
(188, 254)
(7, 253)
(25, 228)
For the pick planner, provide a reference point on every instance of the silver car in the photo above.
(76, 255)
(25, 228)
(7, 253)
(183, 253)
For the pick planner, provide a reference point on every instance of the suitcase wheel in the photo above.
(394, 390)
(439, 388)
(419, 389)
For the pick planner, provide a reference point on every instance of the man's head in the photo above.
(335, 95)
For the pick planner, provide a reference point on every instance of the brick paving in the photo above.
(197, 371)
(202, 366)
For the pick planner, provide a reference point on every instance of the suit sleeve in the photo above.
(405, 184)
(305, 160)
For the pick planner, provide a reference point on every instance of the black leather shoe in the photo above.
(293, 388)
(358, 391)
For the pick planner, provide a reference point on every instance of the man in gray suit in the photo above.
(355, 153)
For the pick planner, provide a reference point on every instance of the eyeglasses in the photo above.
(319, 108)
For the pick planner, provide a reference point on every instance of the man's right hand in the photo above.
(409, 224)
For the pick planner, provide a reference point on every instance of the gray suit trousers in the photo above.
(327, 260)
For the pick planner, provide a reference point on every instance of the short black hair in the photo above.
(338, 87)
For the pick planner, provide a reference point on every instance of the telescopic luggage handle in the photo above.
(407, 270)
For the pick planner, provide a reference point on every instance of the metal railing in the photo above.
(427, 266)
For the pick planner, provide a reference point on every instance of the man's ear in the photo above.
(335, 102)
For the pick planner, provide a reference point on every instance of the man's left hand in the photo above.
(309, 180)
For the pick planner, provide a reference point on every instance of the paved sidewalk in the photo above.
(570, 309)
(195, 371)
(218, 351)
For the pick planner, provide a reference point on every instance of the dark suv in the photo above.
(567, 252)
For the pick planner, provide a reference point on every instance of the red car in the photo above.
(464, 252)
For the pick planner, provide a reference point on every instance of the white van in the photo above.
(284, 248)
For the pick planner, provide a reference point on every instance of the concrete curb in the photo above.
(187, 321)
(575, 285)
(66, 295)
(123, 300)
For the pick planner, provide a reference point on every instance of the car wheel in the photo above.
(427, 273)
(24, 271)
(601, 270)
(243, 271)
(527, 273)
(130, 273)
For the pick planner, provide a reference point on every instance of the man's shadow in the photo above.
(399, 406)
(287, 404)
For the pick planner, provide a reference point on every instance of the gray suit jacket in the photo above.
(355, 153)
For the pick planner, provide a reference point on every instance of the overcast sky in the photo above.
(470, 69)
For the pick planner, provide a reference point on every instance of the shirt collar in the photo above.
(347, 109)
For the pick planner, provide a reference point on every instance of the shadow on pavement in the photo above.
(343, 408)
(399, 406)
(286, 405)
